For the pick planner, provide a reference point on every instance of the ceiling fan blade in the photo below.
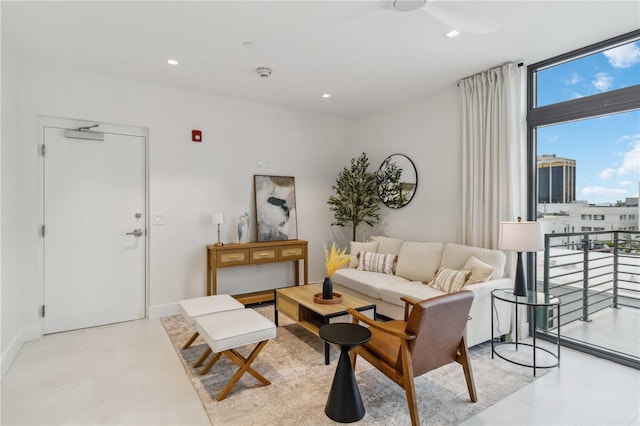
(356, 11)
(464, 20)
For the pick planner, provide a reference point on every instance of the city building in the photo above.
(556, 179)
(212, 123)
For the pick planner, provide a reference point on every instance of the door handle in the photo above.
(136, 232)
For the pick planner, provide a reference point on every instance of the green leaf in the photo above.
(356, 196)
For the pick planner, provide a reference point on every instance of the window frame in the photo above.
(614, 101)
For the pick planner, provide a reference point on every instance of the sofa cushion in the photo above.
(388, 245)
(419, 261)
(369, 283)
(357, 247)
(454, 256)
(480, 271)
(450, 280)
(376, 262)
(415, 290)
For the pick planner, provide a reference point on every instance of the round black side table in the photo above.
(344, 403)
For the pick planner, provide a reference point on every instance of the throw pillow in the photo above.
(449, 280)
(357, 247)
(388, 245)
(480, 271)
(376, 262)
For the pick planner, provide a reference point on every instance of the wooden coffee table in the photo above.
(297, 303)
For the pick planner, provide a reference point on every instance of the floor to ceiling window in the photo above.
(584, 175)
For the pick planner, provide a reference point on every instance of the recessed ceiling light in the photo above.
(326, 95)
(172, 62)
(453, 33)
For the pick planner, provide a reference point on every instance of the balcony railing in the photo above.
(590, 272)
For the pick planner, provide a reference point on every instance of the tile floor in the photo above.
(130, 374)
(124, 373)
(614, 329)
(585, 390)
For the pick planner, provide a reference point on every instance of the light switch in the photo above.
(159, 219)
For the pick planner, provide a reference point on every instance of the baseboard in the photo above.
(160, 311)
(26, 334)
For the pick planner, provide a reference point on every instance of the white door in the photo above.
(95, 230)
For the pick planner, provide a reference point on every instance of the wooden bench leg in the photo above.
(207, 367)
(244, 367)
(204, 356)
(191, 340)
(245, 362)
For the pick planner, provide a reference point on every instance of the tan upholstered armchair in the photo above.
(431, 335)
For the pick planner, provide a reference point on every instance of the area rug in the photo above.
(300, 381)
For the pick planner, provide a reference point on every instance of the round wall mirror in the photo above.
(397, 181)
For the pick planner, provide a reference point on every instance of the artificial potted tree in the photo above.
(356, 198)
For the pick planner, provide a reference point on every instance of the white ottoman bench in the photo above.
(225, 331)
(199, 306)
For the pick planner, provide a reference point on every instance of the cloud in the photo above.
(598, 191)
(631, 161)
(602, 81)
(575, 79)
(626, 138)
(624, 56)
(607, 173)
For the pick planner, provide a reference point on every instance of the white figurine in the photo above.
(243, 228)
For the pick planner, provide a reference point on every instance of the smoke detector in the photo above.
(264, 72)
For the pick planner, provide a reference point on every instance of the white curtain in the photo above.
(493, 154)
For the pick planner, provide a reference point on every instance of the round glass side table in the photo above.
(536, 301)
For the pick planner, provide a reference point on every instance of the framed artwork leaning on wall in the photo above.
(275, 198)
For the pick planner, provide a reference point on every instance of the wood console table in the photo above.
(254, 254)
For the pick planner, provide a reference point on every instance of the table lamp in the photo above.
(218, 219)
(521, 237)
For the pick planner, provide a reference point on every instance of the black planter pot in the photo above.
(327, 288)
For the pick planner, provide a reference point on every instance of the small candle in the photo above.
(218, 218)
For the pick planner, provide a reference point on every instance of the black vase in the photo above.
(327, 288)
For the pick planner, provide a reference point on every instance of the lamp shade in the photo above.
(218, 218)
(521, 236)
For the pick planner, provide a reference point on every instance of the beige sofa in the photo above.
(417, 264)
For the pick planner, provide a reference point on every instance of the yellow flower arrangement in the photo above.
(335, 259)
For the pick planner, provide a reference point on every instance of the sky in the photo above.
(606, 149)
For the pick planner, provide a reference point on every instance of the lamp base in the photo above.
(219, 243)
(520, 282)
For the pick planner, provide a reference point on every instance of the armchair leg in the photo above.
(353, 356)
(464, 360)
(408, 385)
(410, 390)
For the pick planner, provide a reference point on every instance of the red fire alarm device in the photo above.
(196, 136)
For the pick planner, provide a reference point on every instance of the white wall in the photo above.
(427, 131)
(13, 227)
(188, 181)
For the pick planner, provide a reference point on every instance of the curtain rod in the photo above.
(519, 65)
